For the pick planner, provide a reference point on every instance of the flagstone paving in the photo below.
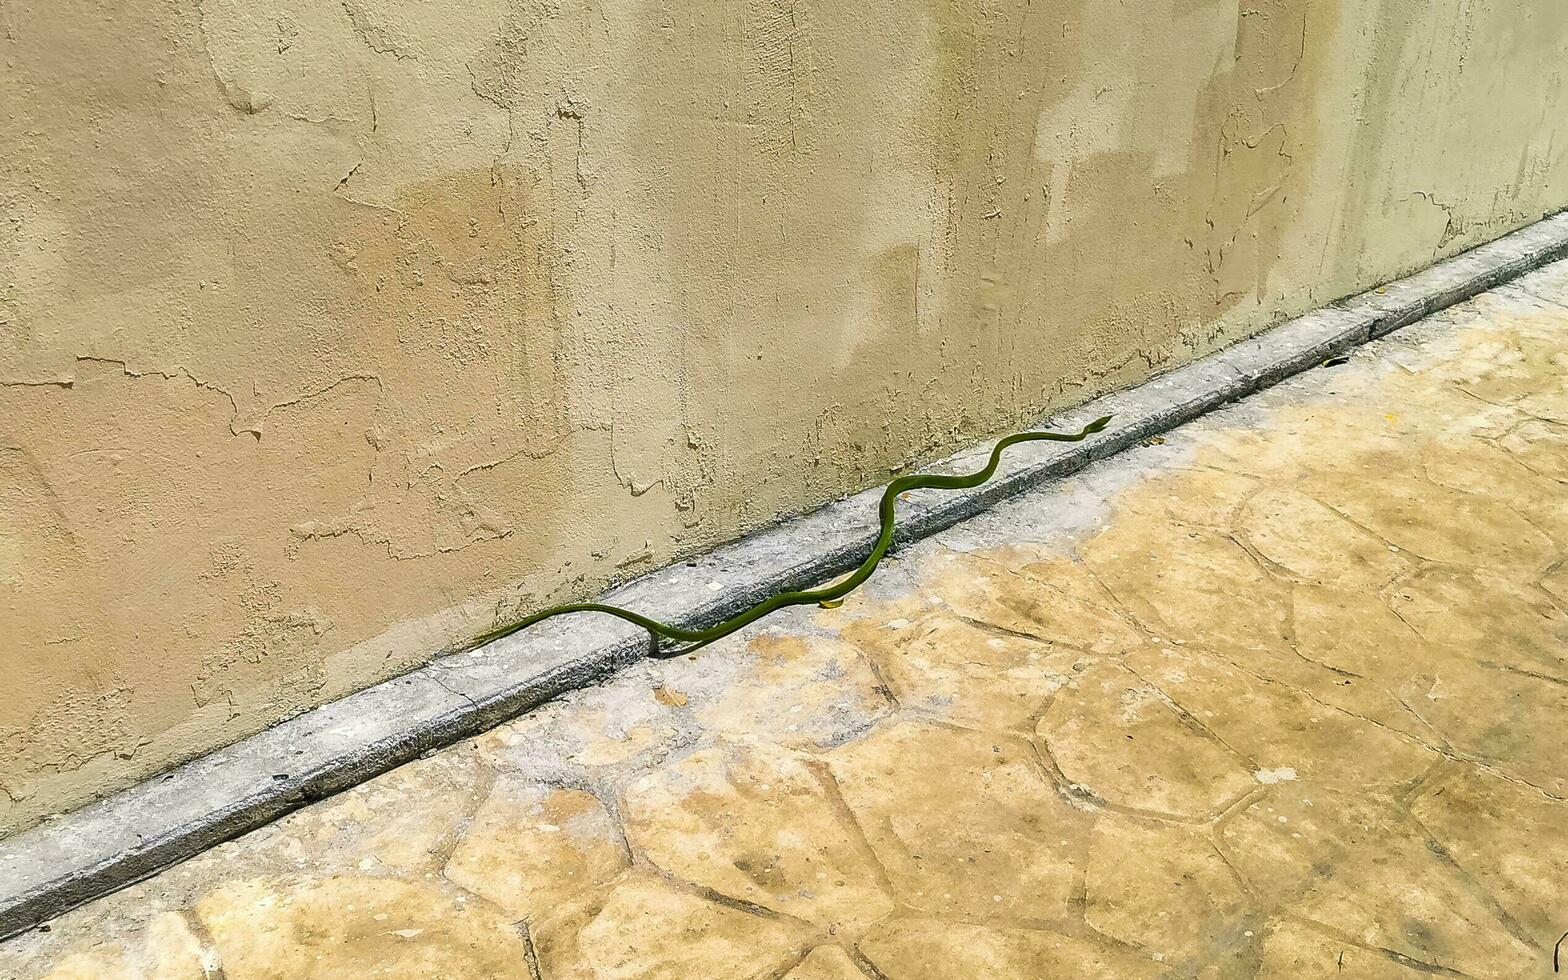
(1282, 695)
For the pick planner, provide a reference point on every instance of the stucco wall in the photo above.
(330, 332)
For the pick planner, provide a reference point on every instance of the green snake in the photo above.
(827, 594)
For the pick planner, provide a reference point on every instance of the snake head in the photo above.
(1097, 425)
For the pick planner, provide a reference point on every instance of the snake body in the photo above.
(823, 594)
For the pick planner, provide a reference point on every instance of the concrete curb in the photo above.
(131, 835)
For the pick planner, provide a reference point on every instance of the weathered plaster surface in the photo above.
(329, 333)
(1274, 697)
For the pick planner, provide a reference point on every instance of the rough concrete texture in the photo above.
(329, 333)
(66, 861)
(1276, 695)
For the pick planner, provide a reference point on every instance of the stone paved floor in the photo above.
(1282, 695)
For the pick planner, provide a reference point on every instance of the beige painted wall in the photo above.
(330, 332)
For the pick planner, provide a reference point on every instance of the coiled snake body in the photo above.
(832, 593)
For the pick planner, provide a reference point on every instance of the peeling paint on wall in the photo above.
(329, 333)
